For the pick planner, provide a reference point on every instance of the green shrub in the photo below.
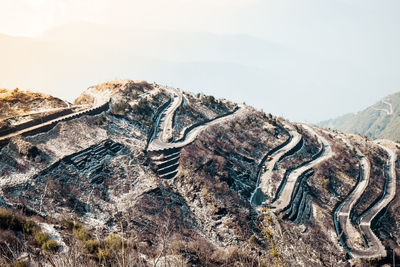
(274, 251)
(14, 222)
(267, 233)
(30, 227)
(325, 183)
(103, 254)
(81, 234)
(41, 238)
(10, 221)
(45, 242)
(20, 264)
(114, 242)
(50, 246)
(68, 223)
(92, 245)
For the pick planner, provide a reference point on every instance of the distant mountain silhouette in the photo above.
(382, 120)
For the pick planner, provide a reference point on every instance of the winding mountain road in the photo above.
(162, 139)
(285, 196)
(166, 123)
(38, 126)
(374, 247)
(342, 214)
(388, 112)
(165, 154)
(158, 144)
(264, 179)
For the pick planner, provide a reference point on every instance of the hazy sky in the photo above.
(343, 45)
(281, 20)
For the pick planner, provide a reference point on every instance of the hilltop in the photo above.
(20, 106)
(381, 120)
(148, 175)
(16, 102)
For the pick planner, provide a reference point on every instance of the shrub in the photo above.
(114, 242)
(10, 221)
(81, 234)
(103, 254)
(100, 120)
(41, 238)
(274, 251)
(20, 264)
(264, 209)
(67, 223)
(50, 246)
(325, 183)
(92, 245)
(269, 219)
(143, 108)
(120, 108)
(30, 227)
(45, 242)
(267, 233)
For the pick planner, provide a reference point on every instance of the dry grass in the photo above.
(16, 102)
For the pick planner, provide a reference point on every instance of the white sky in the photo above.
(258, 17)
(364, 34)
(30, 17)
(336, 25)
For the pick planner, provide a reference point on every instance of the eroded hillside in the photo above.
(148, 175)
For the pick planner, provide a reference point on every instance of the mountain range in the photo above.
(134, 173)
(381, 120)
(276, 77)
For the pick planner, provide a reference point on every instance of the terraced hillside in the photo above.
(147, 175)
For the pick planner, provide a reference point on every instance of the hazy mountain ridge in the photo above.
(127, 185)
(61, 60)
(382, 120)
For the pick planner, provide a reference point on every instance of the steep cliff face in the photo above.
(166, 177)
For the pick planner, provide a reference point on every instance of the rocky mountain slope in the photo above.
(382, 120)
(148, 175)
